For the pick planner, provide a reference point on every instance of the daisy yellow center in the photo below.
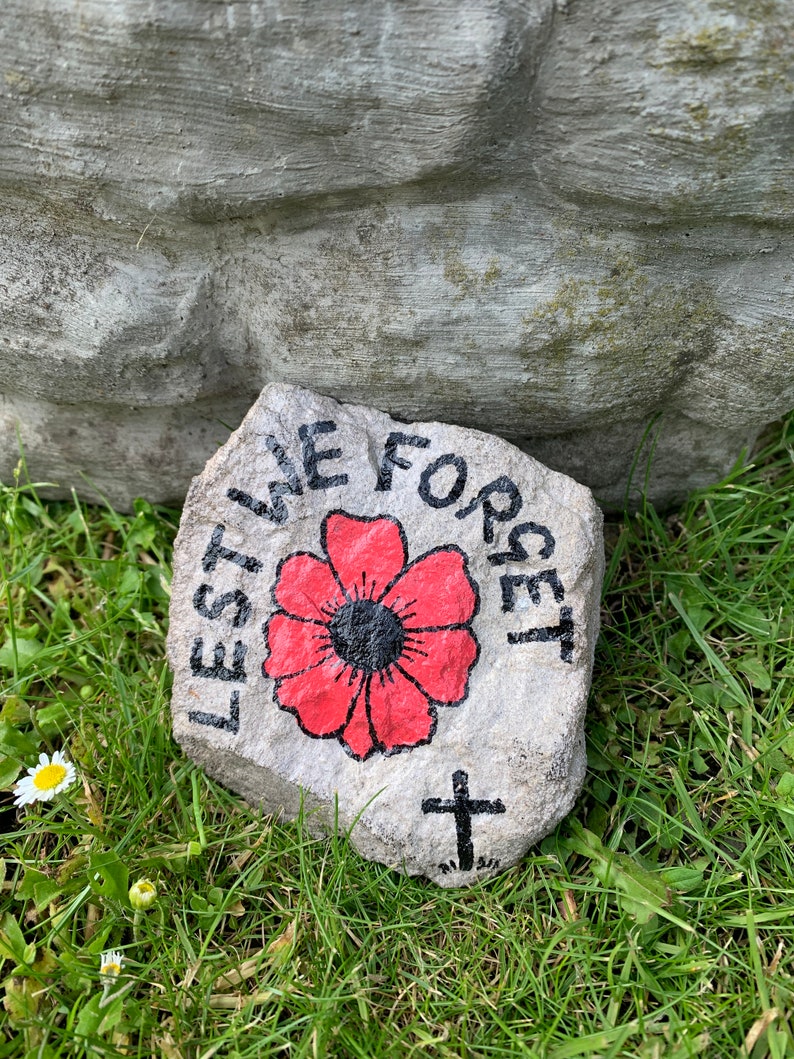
(145, 888)
(111, 968)
(48, 777)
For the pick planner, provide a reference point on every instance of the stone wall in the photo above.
(561, 222)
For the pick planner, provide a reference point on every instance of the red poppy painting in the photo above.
(364, 645)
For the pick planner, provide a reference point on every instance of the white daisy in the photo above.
(45, 780)
(110, 964)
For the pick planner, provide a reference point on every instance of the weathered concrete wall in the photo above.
(552, 221)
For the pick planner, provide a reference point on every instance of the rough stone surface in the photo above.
(391, 623)
(556, 221)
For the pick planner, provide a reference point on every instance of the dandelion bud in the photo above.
(143, 894)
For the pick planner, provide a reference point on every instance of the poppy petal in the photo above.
(440, 662)
(365, 553)
(307, 588)
(321, 697)
(434, 591)
(294, 645)
(357, 734)
(400, 713)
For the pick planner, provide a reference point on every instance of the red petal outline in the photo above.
(400, 714)
(306, 588)
(321, 697)
(295, 645)
(434, 591)
(440, 662)
(365, 553)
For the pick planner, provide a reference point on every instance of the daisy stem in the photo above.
(108, 997)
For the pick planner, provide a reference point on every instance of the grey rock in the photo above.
(558, 222)
(390, 625)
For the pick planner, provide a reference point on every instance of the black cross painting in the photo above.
(463, 808)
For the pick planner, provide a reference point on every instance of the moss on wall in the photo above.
(624, 337)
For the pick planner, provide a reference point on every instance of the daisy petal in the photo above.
(440, 662)
(434, 591)
(321, 697)
(68, 778)
(307, 588)
(365, 553)
(24, 792)
(357, 734)
(294, 645)
(400, 713)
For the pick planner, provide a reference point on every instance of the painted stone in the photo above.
(391, 626)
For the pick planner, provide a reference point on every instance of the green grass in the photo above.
(655, 921)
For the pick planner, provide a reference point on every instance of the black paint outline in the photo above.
(366, 678)
(365, 519)
(337, 732)
(392, 751)
(279, 567)
(465, 695)
(432, 551)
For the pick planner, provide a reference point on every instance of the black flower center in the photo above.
(367, 635)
